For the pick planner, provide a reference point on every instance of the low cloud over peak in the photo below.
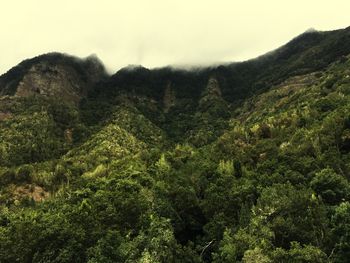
(158, 33)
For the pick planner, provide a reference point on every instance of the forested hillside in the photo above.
(244, 162)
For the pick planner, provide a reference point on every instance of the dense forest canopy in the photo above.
(244, 162)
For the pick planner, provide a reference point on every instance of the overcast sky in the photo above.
(159, 32)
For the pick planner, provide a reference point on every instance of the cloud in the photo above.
(156, 33)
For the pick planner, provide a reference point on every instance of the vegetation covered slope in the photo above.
(247, 162)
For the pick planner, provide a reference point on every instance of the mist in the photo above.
(159, 33)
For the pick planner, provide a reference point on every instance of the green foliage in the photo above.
(341, 230)
(225, 168)
(332, 187)
(249, 162)
(28, 138)
(254, 256)
(300, 254)
(109, 249)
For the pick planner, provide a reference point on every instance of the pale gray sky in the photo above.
(159, 32)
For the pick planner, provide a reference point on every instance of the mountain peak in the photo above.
(54, 75)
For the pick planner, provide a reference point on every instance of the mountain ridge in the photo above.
(300, 42)
(246, 162)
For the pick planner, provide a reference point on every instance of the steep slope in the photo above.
(292, 143)
(308, 52)
(39, 106)
(53, 75)
(242, 162)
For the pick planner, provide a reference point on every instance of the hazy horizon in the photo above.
(159, 33)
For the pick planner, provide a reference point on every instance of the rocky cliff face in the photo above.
(169, 98)
(213, 87)
(53, 75)
(56, 81)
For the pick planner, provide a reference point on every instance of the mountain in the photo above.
(243, 162)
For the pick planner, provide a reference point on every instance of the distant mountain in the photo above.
(243, 162)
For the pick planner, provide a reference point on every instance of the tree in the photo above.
(332, 187)
(341, 232)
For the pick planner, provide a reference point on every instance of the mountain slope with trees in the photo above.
(244, 162)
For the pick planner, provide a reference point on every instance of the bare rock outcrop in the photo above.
(53, 75)
(169, 98)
